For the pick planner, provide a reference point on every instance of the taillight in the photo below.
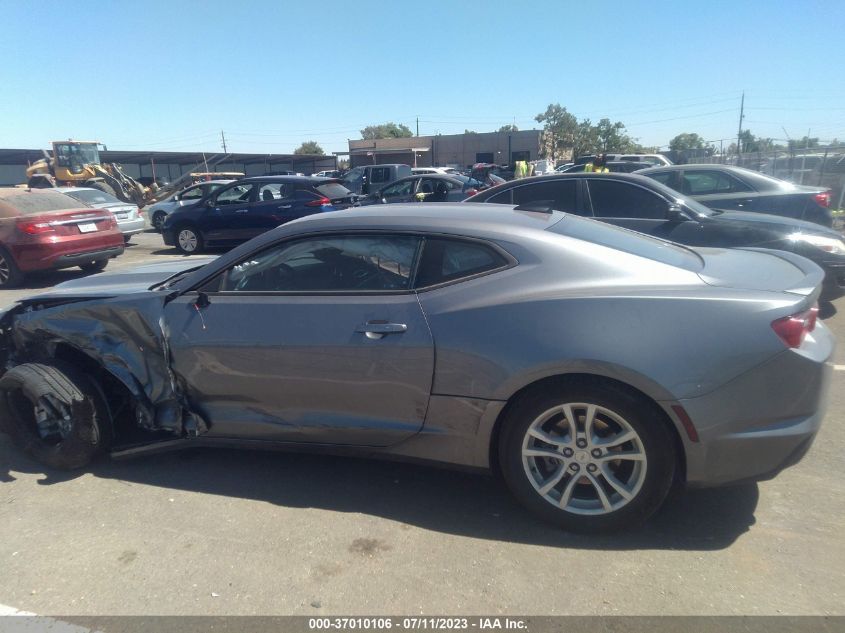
(321, 202)
(471, 192)
(792, 329)
(822, 199)
(35, 228)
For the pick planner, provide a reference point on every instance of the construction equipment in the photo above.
(77, 164)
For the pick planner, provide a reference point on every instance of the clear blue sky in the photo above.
(170, 75)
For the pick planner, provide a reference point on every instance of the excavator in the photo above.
(77, 164)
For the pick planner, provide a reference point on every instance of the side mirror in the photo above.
(675, 213)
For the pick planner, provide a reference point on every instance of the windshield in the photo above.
(467, 181)
(93, 196)
(686, 201)
(333, 190)
(32, 203)
(628, 241)
(77, 153)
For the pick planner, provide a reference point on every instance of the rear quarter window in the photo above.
(447, 260)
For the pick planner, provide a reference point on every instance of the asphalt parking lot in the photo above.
(228, 532)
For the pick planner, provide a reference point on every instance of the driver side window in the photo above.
(362, 263)
(191, 194)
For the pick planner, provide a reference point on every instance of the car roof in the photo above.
(284, 178)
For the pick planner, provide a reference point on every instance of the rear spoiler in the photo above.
(810, 286)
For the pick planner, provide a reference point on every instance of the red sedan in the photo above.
(42, 229)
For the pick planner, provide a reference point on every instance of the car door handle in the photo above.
(241, 210)
(284, 206)
(377, 329)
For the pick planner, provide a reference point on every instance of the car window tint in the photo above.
(379, 175)
(328, 264)
(702, 183)
(560, 193)
(404, 188)
(333, 190)
(503, 197)
(194, 193)
(447, 260)
(664, 178)
(613, 199)
(239, 194)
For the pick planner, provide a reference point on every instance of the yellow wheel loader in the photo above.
(77, 164)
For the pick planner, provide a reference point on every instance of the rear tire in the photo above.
(189, 240)
(103, 186)
(158, 220)
(55, 414)
(567, 473)
(10, 274)
(95, 266)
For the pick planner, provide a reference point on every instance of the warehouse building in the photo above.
(171, 166)
(453, 150)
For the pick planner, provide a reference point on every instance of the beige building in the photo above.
(448, 150)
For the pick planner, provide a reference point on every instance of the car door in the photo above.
(275, 204)
(227, 219)
(719, 190)
(630, 205)
(316, 339)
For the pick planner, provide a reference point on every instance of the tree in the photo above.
(803, 143)
(508, 128)
(585, 140)
(612, 137)
(386, 130)
(466, 131)
(309, 147)
(560, 129)
(686, 141)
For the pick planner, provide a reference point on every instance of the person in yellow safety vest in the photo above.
(598, 165)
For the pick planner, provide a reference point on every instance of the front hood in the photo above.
(778, 222)
(122, 282)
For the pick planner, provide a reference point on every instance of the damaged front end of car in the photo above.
(121, 344)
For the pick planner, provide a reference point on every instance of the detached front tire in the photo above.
(55, 414)
(589, 458)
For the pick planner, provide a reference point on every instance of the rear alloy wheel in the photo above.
(10, 274)
(55, 414)
(590, 459)
(188, 240)
(94, 266)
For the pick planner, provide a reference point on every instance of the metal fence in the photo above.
(818, 167)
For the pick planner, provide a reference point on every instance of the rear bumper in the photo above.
(63, 254)
(132, 227)
(762, 421)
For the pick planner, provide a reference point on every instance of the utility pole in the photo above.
(223, 138)
(739, 133)
(418, 126)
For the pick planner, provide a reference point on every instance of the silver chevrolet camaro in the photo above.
(591, 366)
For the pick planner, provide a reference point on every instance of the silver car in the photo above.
(129, 219)
(593, 367)
(159, 211)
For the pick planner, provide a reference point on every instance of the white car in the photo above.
(160, 210)
(130, 220)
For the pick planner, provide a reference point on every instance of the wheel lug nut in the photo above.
(596, 452)
(581, 443)
(592, 468)
(567, 452)
(575, 468)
